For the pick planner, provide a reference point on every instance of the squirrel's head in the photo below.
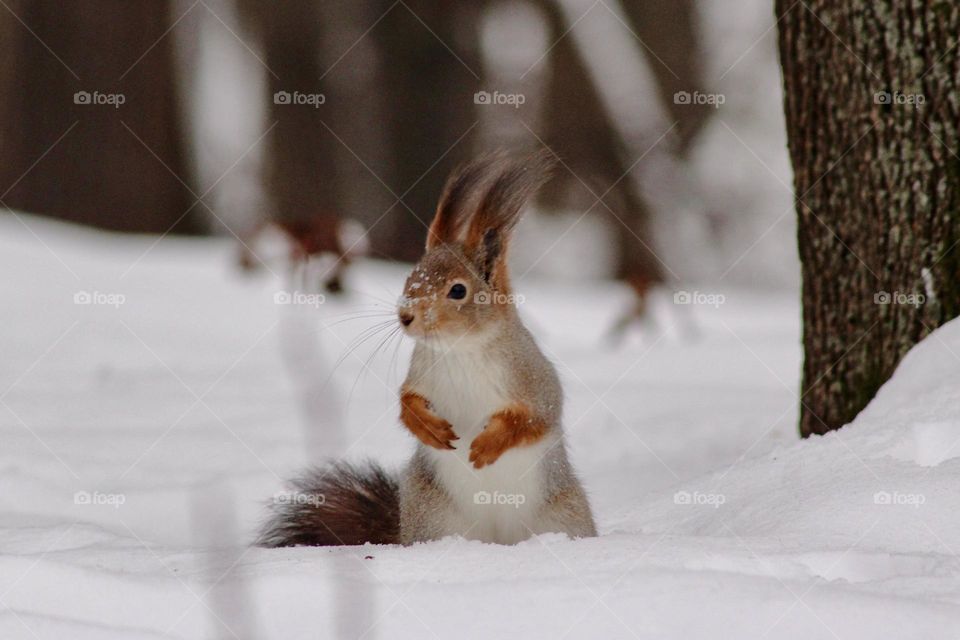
(461, 288)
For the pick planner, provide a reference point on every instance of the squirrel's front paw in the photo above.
(437, 433)
(430, 429)
(511, 427)
(487, 447)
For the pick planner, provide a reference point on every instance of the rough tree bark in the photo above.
(877, 179)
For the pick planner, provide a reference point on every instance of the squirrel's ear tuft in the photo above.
(512, 183)
(458, 200)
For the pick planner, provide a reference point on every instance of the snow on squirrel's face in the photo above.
(444, 300)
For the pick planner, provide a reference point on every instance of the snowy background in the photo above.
(144, 435)
(153, 400)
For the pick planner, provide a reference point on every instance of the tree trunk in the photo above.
(877, 180)
(8, 58)
(73, 115)
(669, 31)
(429, 84)
(301, 175)
(579, 130)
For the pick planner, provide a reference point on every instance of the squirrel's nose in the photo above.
(406, 318)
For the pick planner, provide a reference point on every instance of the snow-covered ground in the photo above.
(143, 433)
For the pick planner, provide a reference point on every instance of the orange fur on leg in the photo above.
(430, 428)
(512, 427)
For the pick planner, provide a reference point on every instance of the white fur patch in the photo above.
(498, 502)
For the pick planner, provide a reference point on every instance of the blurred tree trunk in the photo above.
(428, 93)
(423, 87)
(878, 186)
(301, 169)
(8, 52)
(579, 130)
(670, 35)
(356, 110)
(79, 161)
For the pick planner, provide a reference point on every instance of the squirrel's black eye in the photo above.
(457, 292)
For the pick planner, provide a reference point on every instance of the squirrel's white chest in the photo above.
(465, 390)
(495, 503)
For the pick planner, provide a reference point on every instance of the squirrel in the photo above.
(482, 400)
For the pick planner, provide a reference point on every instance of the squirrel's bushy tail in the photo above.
(336, 504)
